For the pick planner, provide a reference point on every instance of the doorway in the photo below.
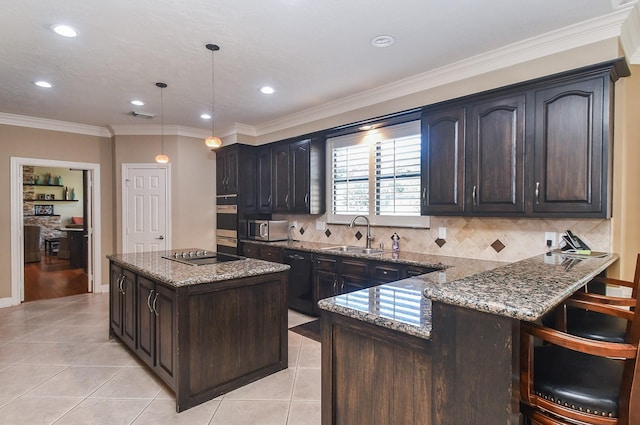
(54, 212)
(88, 233)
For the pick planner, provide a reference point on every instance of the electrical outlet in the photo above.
(550, 239)
(321, 225)
(442, 232)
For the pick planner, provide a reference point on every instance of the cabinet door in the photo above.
(264, 180)
(299, 154)
(325, 285)
(570, 172)
(271, 253)
(146, 321)
(129, 309)
(232, 171)
(442, 158)
(221, 180)
(281, 174)
(166, 343)
(349, 283)
(246, 185)
(385, 273)
(115, 303)
(496, 134)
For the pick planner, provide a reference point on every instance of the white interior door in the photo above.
(146, 207)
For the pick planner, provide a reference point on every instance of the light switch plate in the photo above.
(321, 225)
(442, 232)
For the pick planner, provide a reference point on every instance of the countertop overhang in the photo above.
(177, 274)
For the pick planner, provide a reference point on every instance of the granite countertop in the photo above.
(524, 290)
(402, 257)
(178, 274)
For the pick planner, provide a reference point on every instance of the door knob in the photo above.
(161, 237)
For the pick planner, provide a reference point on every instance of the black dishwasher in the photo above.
(300, 293)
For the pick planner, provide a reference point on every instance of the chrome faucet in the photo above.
(369, 237)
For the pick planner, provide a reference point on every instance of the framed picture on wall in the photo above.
(43, 209)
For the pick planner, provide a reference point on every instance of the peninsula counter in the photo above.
(441, 348)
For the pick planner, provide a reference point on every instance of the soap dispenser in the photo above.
(395, 242)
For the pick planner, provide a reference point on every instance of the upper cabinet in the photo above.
(442, 162)
(572, 138)
(227, 170)
(264, 182)
(495, 155)
(298, 170)
(536, 149)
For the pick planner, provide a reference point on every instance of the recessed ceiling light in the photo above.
(205, 116)
(382, 41)
(64, 30)
(43, 84)
(267, 90)
(137, 102)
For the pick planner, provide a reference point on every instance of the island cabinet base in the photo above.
(467, 374)
(207, 339)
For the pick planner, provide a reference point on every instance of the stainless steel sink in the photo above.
(354, 249)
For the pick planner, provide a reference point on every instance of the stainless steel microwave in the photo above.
(268, 230)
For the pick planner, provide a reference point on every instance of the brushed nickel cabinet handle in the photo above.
(474, 195)
(537, 192)
(149, 300)
(155, 300)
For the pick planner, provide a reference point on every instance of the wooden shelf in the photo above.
(51, 200)
(42, 185)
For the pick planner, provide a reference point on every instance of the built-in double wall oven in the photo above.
(227, 224)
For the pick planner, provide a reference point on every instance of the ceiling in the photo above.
(312, 52)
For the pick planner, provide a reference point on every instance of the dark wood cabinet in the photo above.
(442, 160)
(122, 311)
(264, 181)
(354, 275)
(536, 149)
(298, 170)
(157, 345)
(227, 170)
(495, 155)
(281, 175)
(263, 252)
(571, 147)
(202, 340)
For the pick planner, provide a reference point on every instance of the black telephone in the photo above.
(574, 243)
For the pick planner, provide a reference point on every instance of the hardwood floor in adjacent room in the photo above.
(52, 277)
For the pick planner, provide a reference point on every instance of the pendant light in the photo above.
(162, 158)
(212, 141)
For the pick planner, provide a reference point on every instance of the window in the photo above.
(376, 174)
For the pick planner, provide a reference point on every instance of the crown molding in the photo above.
(630, 35)
(578, 35)
(157, 130)
(53, 125)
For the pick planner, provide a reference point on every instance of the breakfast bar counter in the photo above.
(440, 348)
(205, 323)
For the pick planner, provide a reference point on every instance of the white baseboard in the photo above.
(6, 302)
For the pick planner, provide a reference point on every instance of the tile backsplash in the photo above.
(499, 239)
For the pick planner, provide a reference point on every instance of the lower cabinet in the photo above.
(122, 313)
(157, 327)
(262, 252)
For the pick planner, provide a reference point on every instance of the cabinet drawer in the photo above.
(354, 268)
(270, 253)
(250, 250)
(329, 264)
(386, 274)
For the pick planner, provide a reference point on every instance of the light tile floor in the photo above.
(58, 366)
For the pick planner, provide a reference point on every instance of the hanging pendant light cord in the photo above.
(213, 132)
(162, 118)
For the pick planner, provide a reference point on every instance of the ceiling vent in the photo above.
(142, 114)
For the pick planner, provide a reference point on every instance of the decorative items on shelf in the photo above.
(36, 179)
(49, 178)
(59, 180)
(66, 193)
(73, 194)
(43, 209)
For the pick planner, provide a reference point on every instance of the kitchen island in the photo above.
(204, 329)
(441, 348)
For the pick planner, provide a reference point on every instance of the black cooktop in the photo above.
(200, 258)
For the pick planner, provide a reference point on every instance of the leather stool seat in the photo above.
(578, 381)
(596, 326)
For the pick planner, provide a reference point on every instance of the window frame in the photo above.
(371, 137)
